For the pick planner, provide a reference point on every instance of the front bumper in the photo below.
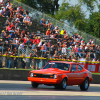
(44, 80)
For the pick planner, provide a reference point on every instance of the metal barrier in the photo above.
(28, 49)
(21, 62)
(8, 61)
(37, 15)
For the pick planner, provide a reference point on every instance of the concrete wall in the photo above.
(9, 74)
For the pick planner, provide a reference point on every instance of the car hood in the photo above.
(48, 71)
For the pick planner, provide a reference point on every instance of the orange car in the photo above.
(61, 74)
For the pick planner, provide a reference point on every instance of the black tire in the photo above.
(35, 85)
(85, 85)
(63, 84)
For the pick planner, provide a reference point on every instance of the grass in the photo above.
(17, 69)
(96, 73)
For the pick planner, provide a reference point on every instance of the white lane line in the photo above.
(53, 93)
(15, 82)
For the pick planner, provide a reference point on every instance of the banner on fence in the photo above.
(91, 67)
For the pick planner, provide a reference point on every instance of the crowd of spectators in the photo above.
(57, 44)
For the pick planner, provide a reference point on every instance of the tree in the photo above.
(46, 6)
(94, 23)
(72, 14)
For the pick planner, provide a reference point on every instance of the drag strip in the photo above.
(24, 88)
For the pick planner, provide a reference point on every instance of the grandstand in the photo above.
(21, 37)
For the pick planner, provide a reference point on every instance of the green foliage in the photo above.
(46, 6)
(70, 13)
(80, 24)
(94, 24)
(31, 3)
(75, 16)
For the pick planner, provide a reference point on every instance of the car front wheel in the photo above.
(35, 85)
(63, 84)
(85, 84)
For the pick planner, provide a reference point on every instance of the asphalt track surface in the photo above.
(22, 90)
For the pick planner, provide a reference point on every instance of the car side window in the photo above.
(66, 67)
(79, 67)
(73, 67)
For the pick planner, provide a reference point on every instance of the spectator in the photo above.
(34, 46)
(48, 24)
(29, 21)
(64, 49)
(45, 55)
(52, 27)
(3, 33)
(62, 32)
(41, 22)
(52, 36)
(10, 61)
(43, 48)
(27, 60)
(1, 2)
(2, 11)
(48, 32)
(9, 6)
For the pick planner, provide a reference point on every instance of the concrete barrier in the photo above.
(96, 79)
(11, 74)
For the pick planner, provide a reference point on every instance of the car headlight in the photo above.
(55, 76)
(31, 74)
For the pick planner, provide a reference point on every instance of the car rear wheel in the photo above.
(85, 85)
(35, 85)
(63, 84)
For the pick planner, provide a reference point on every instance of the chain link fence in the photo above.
(21, 62)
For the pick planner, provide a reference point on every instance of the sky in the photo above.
(74, 2)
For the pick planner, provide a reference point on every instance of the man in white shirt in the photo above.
(2, 11)
(64, 50)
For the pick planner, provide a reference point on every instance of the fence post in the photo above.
(2, 48)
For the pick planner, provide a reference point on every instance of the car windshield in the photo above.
(61, 66)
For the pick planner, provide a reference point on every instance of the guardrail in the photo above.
(37, 15)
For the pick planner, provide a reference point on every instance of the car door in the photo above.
(80, 73)
(73, 76)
